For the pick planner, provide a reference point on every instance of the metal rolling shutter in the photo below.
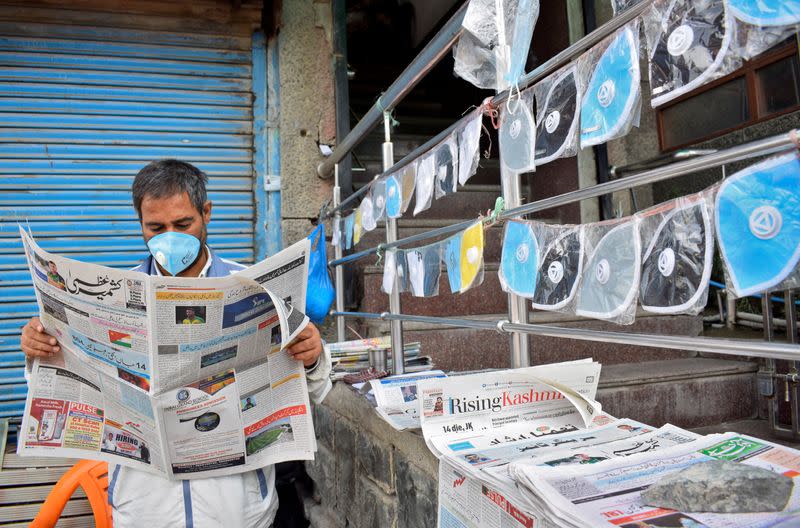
(82, 109)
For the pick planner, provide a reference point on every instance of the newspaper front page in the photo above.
(182, 377)
(608, 493)
(396, 398)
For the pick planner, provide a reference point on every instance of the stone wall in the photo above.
(366, 474)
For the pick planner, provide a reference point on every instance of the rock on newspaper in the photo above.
(182, 377)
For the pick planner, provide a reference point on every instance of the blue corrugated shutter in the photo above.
(81, 111)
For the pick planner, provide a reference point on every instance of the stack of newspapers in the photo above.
(532, 448)
(353, 356)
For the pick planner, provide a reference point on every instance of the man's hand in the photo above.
(36, 342)
(307, 346)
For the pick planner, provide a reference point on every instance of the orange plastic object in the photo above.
(92, 476)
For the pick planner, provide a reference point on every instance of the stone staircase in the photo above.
(655, 386)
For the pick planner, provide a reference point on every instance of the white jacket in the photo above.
(246, 500)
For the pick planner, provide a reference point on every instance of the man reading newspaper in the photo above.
(170, 198)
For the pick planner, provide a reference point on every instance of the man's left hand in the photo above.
(307, 346)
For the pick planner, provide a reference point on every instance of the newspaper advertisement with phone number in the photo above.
(183, 377)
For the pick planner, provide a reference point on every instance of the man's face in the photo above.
(174, 213)
(52, 267)
(189, 313)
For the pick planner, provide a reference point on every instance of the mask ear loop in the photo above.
(511, 98)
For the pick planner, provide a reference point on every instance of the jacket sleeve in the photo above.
(319, 377)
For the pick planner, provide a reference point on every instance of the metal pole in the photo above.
(736, 347)
(778, 143)
(430, 55)
(790, 309)
(517, 306)
(337, 251)
(395, 326)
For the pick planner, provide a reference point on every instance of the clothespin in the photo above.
(380, 250)
(492, 216)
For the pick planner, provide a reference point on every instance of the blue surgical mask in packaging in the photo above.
(174, 251)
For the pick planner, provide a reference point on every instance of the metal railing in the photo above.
(517, 325)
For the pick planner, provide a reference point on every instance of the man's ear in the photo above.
(207, 212)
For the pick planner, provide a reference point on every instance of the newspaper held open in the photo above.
(182, 377)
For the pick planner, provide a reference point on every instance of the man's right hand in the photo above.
(36, 342)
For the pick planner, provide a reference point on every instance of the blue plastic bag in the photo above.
(320, 292)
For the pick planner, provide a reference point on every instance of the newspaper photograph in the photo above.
(183, 377)
(608, 493)
(396, 398)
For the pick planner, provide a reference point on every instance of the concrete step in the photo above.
(687, 392)
(469, 349)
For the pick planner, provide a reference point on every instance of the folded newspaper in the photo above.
(181, 377)
(514, 454)
(396, 398)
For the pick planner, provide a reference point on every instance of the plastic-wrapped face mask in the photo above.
(612, 96)
(394, 197)
(690, 49)
(408, 181)
(349, 226)
(402, 270)
(446, 168)
(452, 259)
(357, 227)
(517, 136)
(367, 214)
(611, 277)
(677, 262)
(758, 224)
(519, 259)
(174, 251)
(379, 200)
(559, 271)
(469, 138)
(336, 237)
(766, 12)
(555, 131)
(424, 269)
(389, 271)
(472, 256)
(424, 183)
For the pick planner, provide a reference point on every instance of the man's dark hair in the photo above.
(168, 177)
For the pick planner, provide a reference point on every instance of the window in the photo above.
(763, 88)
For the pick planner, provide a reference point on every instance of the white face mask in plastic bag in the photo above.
(556, 131)
(394, 197)
(758, 225)
(517, 135)
(610, 279)
(469, 138)
(389, 271)
(366, 209)
(560, 269)
(612, 98)
(677, 260)
(689, 48)
(336, 237)
(408, 182)
(378, 193)
(424, 270)
(401, 266)
(426, 173)
(446, 167)
(492, 51)
(519, 259)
